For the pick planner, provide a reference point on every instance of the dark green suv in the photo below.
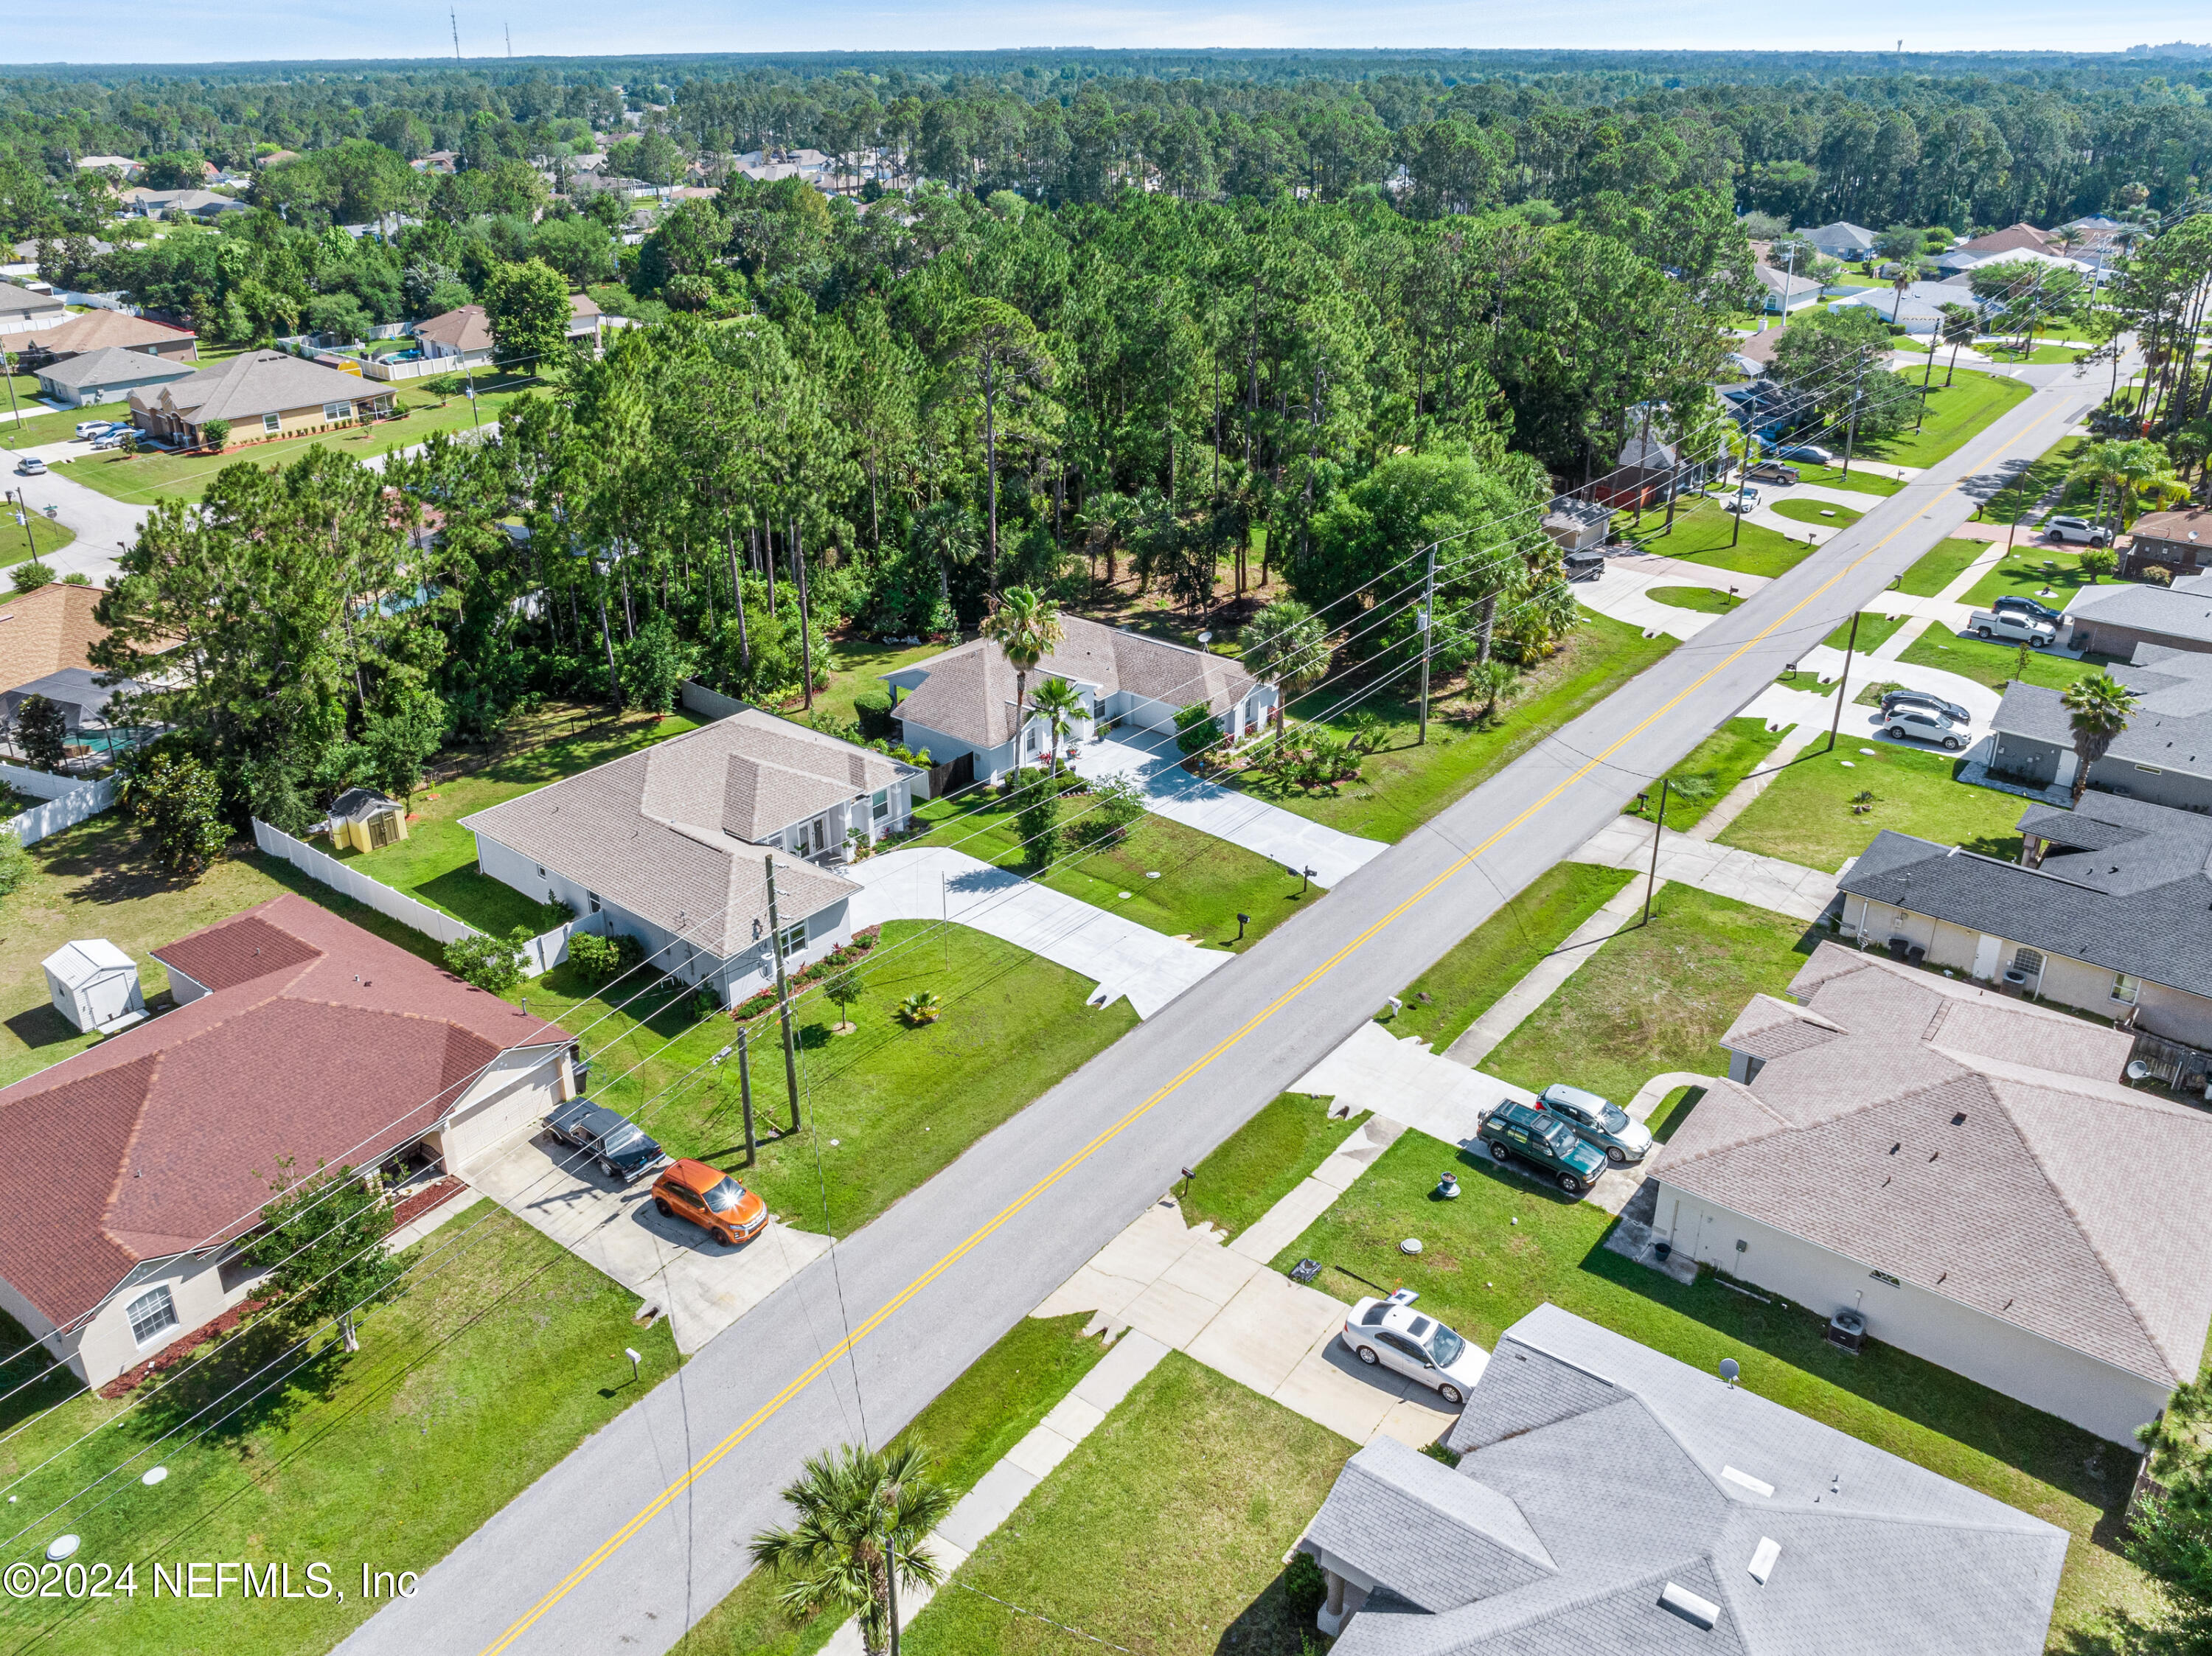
(1514, 1131)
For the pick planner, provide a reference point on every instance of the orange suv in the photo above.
(710, 1199)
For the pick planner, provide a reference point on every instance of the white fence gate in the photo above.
(70, 800)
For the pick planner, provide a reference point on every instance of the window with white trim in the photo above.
(272, 423)
(2027, 962)
(152, 1313)
(2125, 988)
(879, 803)
(793, 938)
(338, 410)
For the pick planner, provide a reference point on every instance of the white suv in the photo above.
(2077, 531)
(1926, 726)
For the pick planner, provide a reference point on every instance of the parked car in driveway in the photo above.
(710, 1199)
(2012, 626)
(96, 427)
(2013, 604)
(30, 466)
(1805, 454)
(2076, 532)
(1390, 1334)
(1514, 1131)
(1598, 1122)
(1772, 471)
(1925, 703)
(1923, 725)
(618, 1145)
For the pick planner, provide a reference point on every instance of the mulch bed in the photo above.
(170, 1356)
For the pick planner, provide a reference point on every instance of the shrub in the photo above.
(30, 576)
(216, 433)
(76, 578)
(178, 802)
(1196, 730)
(871, 712)
(920, 1008)
(487, 962)
(1115, 809)
(2158, 574)
(2098, 561)
(601, 958)
(1037, 825)
(1306, 1590)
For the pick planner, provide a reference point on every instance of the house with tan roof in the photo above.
(1966, 1171)
(294, 1036)
(671, 846)
(106, 330)
(262, 394)
(22, 309)
(464, 335)
(960, 704)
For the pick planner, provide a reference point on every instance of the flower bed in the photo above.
(838, 959)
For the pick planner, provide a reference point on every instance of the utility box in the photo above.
(94, 986)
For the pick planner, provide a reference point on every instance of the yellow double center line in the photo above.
(990, 1228)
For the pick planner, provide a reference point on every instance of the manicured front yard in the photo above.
(1657, 997)
(1943, 563)
(1997, 665)
(2049, 575)
(54, 426)
(41, 537)
(1263, 1162)
(1716, 765)
(1809, 814)
(1706, 600)
(1163, 1533)
(506, 1353)
(1971, 402)
(1805, 509)
(1861, 481)
(1405, 785)
(1705, 534)
(967, 1429)
(1480, 1273)
(2034, 481)
(1874, 630)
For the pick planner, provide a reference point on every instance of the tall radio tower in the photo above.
(454, 17)
(510, 39)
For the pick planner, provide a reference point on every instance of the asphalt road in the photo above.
(640, 1531)
(105, 527)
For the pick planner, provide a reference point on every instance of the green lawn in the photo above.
(1263, 1162)
(1997, 665)
(967, 1429)
(1805, 509)
(1203, 884)
(139, 478)
(39, 538)
(1404, 785)
(1164, 1532)
(505, 1353)
(1716, 765)
(1460, 987)
(1704, 599)
(1655, 998)
(1808, 813)
(1479, 1273)
(860, 664)
(1704, 534)
(1874, 630)
(2049, 575)
(1972, 401)
(56, 426)
(1943, 564)
(2046, 473)
(1860, 481)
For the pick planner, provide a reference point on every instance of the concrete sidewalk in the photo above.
(1151, 760)
(1512, 1009)
(1745, 876)
(1119, 956)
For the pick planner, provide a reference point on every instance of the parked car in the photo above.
(1739, 500)
(96, 427)
(1923, 725)
(2012, 626)
(618, 1145)
(1390, 1334)
(121, 437)
(1773, 471)
(1544, 1140)
(30, 466)
(1805, 453)
(1598, 1122)
(2020, 606)
(1927, 704)
(710, 1199)
(2078, 531)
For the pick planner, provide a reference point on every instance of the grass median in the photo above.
(1263, 1162)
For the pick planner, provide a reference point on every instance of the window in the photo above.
(2125, 988)
(338, 410)
(2027, 962)
(151, 1313)
(793, 938)
(272, 422)
(879, 803)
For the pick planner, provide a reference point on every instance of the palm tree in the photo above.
(862, 1513)
(2133, 470)
(2098, 707)
(1060, 705)
(1961, 324)
(1025, 625)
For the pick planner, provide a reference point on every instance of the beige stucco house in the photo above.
(263, 395)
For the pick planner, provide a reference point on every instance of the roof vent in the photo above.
(1762, 1561)
(1697, 1611)
(1756, 1485)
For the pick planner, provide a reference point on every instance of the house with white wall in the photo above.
(961, 704)
(671, 845)
(296, 1038)
(1965, 1170)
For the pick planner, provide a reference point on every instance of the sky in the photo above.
(202, 31)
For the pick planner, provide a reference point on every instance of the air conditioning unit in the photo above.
(1847, 1331)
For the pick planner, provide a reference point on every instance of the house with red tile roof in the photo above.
(131, 1173)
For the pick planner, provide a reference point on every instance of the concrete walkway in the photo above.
(1623, 592)
(1150, 760)
(1745, 876)
(1119, 956)
(1512, 1009)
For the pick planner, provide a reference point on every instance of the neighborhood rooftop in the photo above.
(254, 383)
(2171, 725)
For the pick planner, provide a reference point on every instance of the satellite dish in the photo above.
(1729, 1370)
(2137, 1069)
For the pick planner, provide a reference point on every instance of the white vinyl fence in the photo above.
(70, 800)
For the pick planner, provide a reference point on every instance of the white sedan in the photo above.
(1390, 1334)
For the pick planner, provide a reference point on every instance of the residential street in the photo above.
(104, 527)
(643, 1528)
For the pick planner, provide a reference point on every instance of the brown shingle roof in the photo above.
(468, 329)
(97, 330)
(331, 1044)
(2176, 526)
(255, 383)
(1978, 1147)
(43, 631)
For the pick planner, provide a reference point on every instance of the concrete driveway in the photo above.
(1151, 760)
(700, 1285)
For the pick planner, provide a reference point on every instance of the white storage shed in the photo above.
(94, 985)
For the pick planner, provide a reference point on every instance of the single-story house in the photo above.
(671, 844)
(104, 329)
(1963, 1170)
(107, 375)
(22, 309)
(1961, 264)
(364, 819)
(462, 335)
(2114, 617)
(1785, 291)
(123, 164)
(296, 1036)
(2175, 541)
(1918, 309)
(1577, 525)
(962, 703)
(1848, 242)
(2108, 911)
(589, 324)
(180, 203)
(1610, 1501)
(2165, 755)
(43, 631)
(2014, 239)
(262, 394)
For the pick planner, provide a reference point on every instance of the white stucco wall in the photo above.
(515, 1091)
(103, 1347)
(2056, 1379)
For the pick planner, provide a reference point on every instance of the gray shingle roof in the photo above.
(2170, 727)
(1614, 1456)
(1856, 1143)
(255, 383)
(17, 300)
(2182, 610)
(112, 364)
(672, 834)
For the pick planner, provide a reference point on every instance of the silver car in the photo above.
(1390, 1334)
(1920, 725)
(1596, 1121)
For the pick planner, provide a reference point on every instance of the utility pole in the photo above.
(1843, 684)
(745, 1098)
(1427, 623)
(782, 995)
(805, 645)
(1658, 826)
(1851, 436)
